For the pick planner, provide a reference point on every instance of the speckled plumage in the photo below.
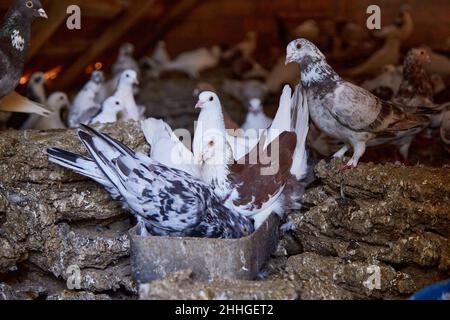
(166, 201)
(345, 111)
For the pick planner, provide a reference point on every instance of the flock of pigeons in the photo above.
(232, 180)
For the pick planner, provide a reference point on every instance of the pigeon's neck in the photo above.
(217, 174)
(416, 79)
(317, 72)
(125, 92)
(212, 118)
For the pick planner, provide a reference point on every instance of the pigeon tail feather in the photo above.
(14, 102)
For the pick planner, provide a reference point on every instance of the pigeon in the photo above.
(402, 28)
(15, 37)
(112, 109)
(124, 92)
(204, 86)
(256, 118)
(244, 91)
(388, 54)
(166, 147)
(417, 90)
(165, 201)
(194, 62)
(386, 85)
(160, 57)
(85, 106)
(245, 48)
(345, 111)
(125, 60)
(254, 186)
(57, 103)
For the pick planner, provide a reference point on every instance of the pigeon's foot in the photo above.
(341, 153)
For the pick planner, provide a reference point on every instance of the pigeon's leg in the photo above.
(358, 150)
(341, 153)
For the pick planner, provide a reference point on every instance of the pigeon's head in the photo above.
(418, 55)
(303, 51)
(98, 77)
(113, 104)
(214, 149)
(37, 79)
(208, 100)
(202, 87)
(127, 49)
(255, 105)
(57, 101)
(30, 9)
(129, 77)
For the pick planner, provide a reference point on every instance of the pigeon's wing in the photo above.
(14, 102)
(89, 114)
(359, 110)
(260, 177)
(167, 199)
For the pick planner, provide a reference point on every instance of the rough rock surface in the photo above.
(55, 219)
(181, 286)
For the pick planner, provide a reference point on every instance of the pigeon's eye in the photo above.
(29, 4)
(298, 45)
(211, 143)
(128, 75)
(211, 99)
(117, 103)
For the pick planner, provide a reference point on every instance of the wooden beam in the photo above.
(44, 29)
(176, 13)
(115, 31)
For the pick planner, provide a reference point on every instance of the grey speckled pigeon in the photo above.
(166, 201)
(15, 37)
(345, 111)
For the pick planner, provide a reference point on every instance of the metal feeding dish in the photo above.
(154, 257)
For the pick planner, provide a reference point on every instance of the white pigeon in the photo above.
(57, 102)
(194, 62)
(166, 147)
(124, 93)
(111, 111)
(35, 92)
(125, 60)
(85, 106)
(256, 118)
(254, 187)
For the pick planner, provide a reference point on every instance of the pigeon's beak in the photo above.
(136, 82)
(289, 59)
(42, 13)
(199, 105)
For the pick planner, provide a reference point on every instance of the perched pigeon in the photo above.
(244, 91)
(402, 28)
(255, 185)
(417, 90)
(204, 86)
(125, 60)
(110, 111)
(386, 85)
(15, 37)
(345, 111)
(245, 48)
(57, 102)
(166, 147)
(166, 201)
(124, 92)
(85, 105)
(194, 62)
(256, 118)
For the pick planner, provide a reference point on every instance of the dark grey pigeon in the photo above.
(347, 112)
(14, 42)
(166, 201)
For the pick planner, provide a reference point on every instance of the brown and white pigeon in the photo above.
(257, 184)
(345, 111)
(15, 36)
